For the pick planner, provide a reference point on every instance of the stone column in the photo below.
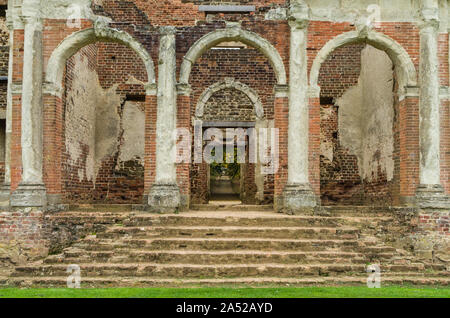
(165, 194)
(298, 193)
(430, 192)
(5, 190)
(31, 191)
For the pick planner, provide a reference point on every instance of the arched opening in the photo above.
(365, 82)
(100, 112)
(359, 106)
(232, 88)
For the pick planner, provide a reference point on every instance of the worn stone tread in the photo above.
(235, 282)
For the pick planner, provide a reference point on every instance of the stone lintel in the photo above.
(226, 8)
(29, 195)
(229, 124)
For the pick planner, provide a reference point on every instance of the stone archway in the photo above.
(229, 83)
(74, 42)
(54, 99)
(375, 180)
(406, 71)
(238, 35)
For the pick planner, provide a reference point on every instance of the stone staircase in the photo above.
(231, 247)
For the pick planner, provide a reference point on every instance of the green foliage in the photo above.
(232, 170)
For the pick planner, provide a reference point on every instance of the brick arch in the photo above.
(406, 71)
(229, 83)
(74, 42)
(238, 35)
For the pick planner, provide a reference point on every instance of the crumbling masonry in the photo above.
(358, 90)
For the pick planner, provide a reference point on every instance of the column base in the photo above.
(164, 198)
(29, 195)
(298, 198)
(432, 196)
(5, 195)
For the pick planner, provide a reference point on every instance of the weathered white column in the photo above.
(31, 191)
(5, 190)
(165, 194)
(430, 193)
(298, 193)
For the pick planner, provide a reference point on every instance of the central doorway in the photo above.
(232, 179)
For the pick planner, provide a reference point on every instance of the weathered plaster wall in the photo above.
(357, 150)
(104, 136)
(366, 116)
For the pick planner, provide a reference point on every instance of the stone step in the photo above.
(232, 231)
(209, 258)
(107, 218)
(361, 211)
(215, 244)
(91, 282)
(104, 207)
(230, 207)
(260, 219)
(209, 271)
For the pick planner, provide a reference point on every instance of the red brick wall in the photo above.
(16, 148)
(340, 180)
(176, 12)
(445, 145)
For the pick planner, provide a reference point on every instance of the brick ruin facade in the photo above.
(355, 104)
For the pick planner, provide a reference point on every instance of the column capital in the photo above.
(429, 18)
(167, 30)
(151, 89)
(281, 91)
(35, 21)
(31, 8)
(52, 89)
(298, 15)
(9, 21)
(314, 91)
(184, 89)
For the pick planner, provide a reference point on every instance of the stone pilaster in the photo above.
(430, 193)
(31, 191)
(298, 193)
(165, 194)
(5, 189)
